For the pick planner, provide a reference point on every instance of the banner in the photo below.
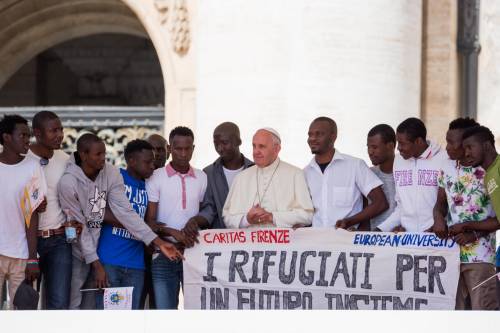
(312, 268)
(118, 298)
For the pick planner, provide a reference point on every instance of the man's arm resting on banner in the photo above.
(193, 225)
(488, 225)
(364, 225)
(468, 237)
(377, 206)
(162, 230)
(392, 223)
(124, 212)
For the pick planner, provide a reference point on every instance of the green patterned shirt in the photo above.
(468, 201)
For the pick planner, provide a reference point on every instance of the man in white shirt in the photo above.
(272, 193)
(18, 259)
(416, 172)
(54, 251)
(175, 193)
(338, 182)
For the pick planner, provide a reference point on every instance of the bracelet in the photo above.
(32, 262)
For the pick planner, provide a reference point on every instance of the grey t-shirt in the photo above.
(389, 191)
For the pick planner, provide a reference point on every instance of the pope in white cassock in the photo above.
(272, 193)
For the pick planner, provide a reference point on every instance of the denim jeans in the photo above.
(82, 277)
(147, 291)
(167, 278)
(123, 277)
(55, 267)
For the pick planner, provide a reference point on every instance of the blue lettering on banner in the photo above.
(401, 240)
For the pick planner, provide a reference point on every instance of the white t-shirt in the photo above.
(53, 216)
(338, 192)
(15, 177)
(178, 195)
(230, 174)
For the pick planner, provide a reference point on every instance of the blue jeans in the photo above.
(55, 266)
(123, 277)
(167, 279)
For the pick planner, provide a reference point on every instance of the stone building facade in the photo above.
(279, 63)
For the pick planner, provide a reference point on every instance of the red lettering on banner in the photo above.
(221, 238)
(207, 239)
(225, 237)
(266, 236)
(278, 236)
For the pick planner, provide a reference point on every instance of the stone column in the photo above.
(489, 67)
(282, 63)
(440, 83)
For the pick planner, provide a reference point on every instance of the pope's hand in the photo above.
(258, 215)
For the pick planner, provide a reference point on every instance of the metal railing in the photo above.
(116, 125)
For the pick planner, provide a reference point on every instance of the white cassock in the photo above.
(281, 190)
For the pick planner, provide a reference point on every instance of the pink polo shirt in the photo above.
(178, 195)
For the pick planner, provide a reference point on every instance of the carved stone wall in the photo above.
(115, 139)
(115, 125)
(175, 15)
(29, 27)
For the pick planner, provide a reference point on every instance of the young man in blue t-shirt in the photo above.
(120, 253)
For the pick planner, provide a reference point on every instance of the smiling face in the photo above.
(265, 148)
(51, 134)
(408, 148)
(320, 137)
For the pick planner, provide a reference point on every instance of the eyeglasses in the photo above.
(44, 161)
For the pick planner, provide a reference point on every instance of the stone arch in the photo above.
(28, 27)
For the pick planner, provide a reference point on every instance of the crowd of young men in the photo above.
(134, 223)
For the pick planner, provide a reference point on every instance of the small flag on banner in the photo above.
(118, 298)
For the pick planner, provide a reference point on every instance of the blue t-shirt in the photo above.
(498, 256)
(117, 246)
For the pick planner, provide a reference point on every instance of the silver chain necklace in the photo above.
(267, 187)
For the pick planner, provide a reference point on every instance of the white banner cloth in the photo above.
(312, 268)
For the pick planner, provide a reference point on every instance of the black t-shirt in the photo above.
(323, 166)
